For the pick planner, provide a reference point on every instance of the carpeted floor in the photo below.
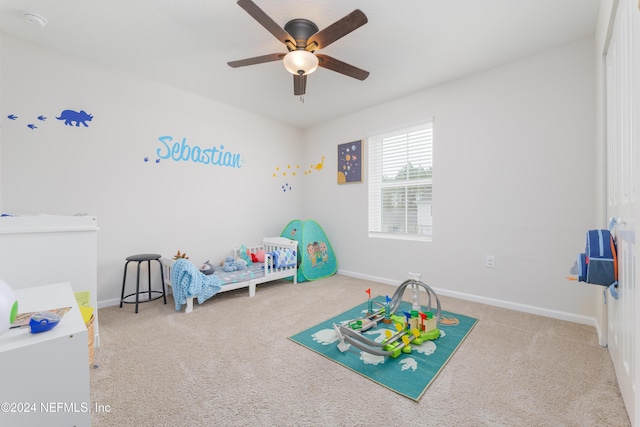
(229, 363)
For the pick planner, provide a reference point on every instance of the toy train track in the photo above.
(415, 328)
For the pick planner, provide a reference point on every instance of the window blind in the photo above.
(400, 177)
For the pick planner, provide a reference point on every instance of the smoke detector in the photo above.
(36, 19)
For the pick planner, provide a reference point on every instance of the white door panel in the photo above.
(622, 101)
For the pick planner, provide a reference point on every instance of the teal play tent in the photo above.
(316, 259)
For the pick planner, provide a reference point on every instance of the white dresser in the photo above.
(44, 377)
(41, 249)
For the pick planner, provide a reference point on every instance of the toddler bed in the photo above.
(280, 262)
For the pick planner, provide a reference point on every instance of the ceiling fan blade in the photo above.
(338, 66)
(263, 19)
(299, 84)
(338, 29)
(256, 60)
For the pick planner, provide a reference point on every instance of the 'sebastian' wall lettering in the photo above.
(181, 151)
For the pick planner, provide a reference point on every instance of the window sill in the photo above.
(394, 236)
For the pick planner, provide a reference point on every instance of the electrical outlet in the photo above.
(490, 261)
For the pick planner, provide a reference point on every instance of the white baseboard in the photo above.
(561, 315)
(602, 338)
(108, 303)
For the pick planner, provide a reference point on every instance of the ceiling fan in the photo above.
(302, 38)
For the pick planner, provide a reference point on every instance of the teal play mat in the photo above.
(408, 375)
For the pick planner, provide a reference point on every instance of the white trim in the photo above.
(108, 303)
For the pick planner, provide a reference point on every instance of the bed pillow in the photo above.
(244, 254)
(260, 256)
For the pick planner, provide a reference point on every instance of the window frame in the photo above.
(377, 183)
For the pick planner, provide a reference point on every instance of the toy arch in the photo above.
(397, 296)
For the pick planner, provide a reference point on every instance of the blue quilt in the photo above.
(188, 282)
(284, 258)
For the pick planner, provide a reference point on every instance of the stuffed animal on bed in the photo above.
(245, 254)
(180, 256)
(231, 264)
(207, 268)
(241, 264)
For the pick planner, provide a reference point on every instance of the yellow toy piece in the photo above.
(407, 346)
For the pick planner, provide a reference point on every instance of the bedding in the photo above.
(189, 282)
(283, 258)
(252, 271)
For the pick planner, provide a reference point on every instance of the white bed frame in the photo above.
(271, 273)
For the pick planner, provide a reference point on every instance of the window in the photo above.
(400, 183)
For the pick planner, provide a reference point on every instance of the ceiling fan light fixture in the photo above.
(300, 62)
(33, 18)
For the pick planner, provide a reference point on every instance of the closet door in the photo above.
(623, 175)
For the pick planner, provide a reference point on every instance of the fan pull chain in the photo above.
(302, 99)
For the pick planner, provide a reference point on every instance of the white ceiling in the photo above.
(407, 45)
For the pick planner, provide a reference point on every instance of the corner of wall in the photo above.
(602, 36)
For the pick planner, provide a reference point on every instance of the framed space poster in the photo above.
(350, 162)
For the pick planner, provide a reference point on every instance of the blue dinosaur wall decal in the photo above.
(79, 117)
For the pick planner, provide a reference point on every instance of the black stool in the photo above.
(140, 259)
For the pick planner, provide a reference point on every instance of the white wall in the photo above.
(514, 156)
(203, 210)
(1, 97)
(513, 173)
